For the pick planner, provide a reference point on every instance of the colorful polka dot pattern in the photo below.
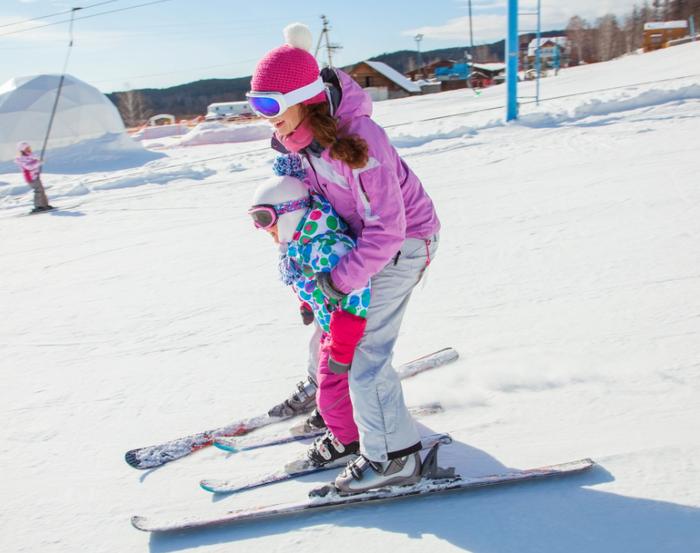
(317, 246)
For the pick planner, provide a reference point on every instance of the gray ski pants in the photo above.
(380, 412)
(40, 199)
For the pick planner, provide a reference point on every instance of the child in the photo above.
(312, 239)
(31, 167)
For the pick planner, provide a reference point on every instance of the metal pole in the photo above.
(320, 37)
(328, 47)
(691, 21)
(60, 84)
(470, 57)
(418, 38)
(471, 31)
(512, 48)
(538, 56)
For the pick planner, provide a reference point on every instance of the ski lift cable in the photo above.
(56, 14)
(464, 113)
(461, 114)
(87, 16)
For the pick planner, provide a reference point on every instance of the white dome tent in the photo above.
(87, 130)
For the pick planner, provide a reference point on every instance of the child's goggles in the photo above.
(273, 104)
(265, 216)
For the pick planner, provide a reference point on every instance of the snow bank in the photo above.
(153, 177)
(160, 131)
(111, 152)
(626, 101)
(220, 133)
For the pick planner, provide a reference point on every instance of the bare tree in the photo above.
(609, 44)
(633, 28)
(576, 31)
(133, 107)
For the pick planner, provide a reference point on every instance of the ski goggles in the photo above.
(274, 104)
(265, 216)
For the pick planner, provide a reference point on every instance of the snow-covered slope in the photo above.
(568, 278)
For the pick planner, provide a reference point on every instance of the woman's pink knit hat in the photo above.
(289, 67)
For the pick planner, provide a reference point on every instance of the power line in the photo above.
(267, 148)
(86, 17)
(178, 71)
(56, 14)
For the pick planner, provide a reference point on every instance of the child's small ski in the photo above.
(332, 500)
(51, 209)
(299, 433)
(160, 454)
(295, 469)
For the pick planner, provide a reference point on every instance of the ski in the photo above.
(52, 209)
(298, 433)
(295, 469)
(332, 500)
(159, 454)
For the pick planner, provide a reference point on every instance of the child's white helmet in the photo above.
(278, 190)
(23, 146)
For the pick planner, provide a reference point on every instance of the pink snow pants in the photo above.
(333, 397)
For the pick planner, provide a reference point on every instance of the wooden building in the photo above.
(657, 34)
(428, 71)
(382, 81)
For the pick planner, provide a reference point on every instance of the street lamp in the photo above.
(418, 38)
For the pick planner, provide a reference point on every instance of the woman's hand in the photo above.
(325, 283)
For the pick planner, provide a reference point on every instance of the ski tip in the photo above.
(225, 447)
(140, 523)
(206, 486)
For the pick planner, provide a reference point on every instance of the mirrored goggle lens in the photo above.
(267, 107)
(263, 217)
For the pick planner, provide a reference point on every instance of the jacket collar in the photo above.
(335, 95)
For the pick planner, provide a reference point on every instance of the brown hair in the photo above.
(351, 149)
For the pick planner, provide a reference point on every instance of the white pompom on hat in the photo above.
(298, 35)
(278, 190)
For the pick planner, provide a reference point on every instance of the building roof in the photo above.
(558, 40)
(393, 75)
(658, 25)
(491, 67)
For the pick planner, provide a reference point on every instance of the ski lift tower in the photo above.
(512, 51)
(513, 55)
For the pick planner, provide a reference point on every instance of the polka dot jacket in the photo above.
(318, 244)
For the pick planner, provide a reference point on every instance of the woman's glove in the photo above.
(325, 284)
(307, 314)
(346, 331)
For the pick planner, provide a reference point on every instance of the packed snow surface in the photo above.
(568, 278)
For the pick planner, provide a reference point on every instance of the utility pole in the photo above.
(470, 56)
(330, 47)
(418, 38)
(471, 31)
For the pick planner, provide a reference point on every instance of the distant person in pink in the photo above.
(31, 168)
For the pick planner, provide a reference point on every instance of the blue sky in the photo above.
(178, 41)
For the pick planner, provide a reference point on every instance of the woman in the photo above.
(349, 160)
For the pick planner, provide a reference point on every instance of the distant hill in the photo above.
(192, 99)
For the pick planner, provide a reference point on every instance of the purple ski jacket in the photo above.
(383, 203)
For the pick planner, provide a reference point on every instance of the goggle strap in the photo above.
(295, 96)
(305, 92)
(292, 205)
